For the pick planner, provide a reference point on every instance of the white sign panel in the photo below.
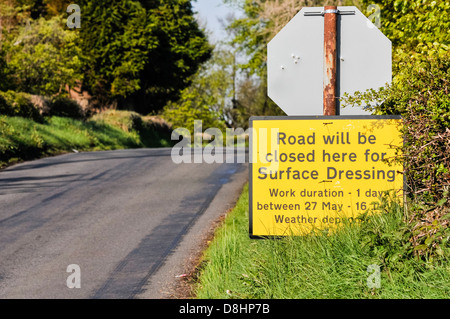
(295, 61)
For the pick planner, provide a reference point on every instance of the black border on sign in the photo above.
(313, 117)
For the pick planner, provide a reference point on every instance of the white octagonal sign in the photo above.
(295, 61)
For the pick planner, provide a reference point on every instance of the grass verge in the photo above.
(24, 139)
(317, 266)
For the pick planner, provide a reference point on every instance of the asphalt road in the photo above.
(129, 219)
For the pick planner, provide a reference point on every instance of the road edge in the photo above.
(171, 281)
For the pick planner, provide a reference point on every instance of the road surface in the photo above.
(128, 219)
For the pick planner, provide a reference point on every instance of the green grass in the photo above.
(24, 139)
(320, 265)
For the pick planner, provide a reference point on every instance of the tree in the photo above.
(252, 98)
(44, 57)
(140, 54)
(115, 39)
(415, 27)
(221, 90)
(182, 49)
(56, 7)
(208, 98)
(36, 8)
(132, 54)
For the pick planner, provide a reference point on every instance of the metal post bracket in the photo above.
(322, 13)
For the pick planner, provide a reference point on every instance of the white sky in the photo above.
(210, 11)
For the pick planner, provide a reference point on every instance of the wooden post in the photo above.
(330, 60)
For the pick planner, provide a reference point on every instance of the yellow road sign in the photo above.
(312, 172)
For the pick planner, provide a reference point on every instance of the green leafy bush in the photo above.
(421, 94)
(197, 102)
(183, 115)
(21, 104)
(65, 107)
(45, 57)
(152, 131)
(18, 104)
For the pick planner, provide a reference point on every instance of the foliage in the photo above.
(192, 106)
(18, 104)
(44, 57)
(5, 83)
(211, 95)
(242, 59)
(251, 100)
(125, 120)
(64, 107)
(431, 232)
(182, 49)
(140, 53)
(115, 38)
(134, 54)
(11, 16)
(36, 8)
(420, 93)
(21, 104)
(152, 131)
(414, 26)
(55, 7)
(385, 232)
